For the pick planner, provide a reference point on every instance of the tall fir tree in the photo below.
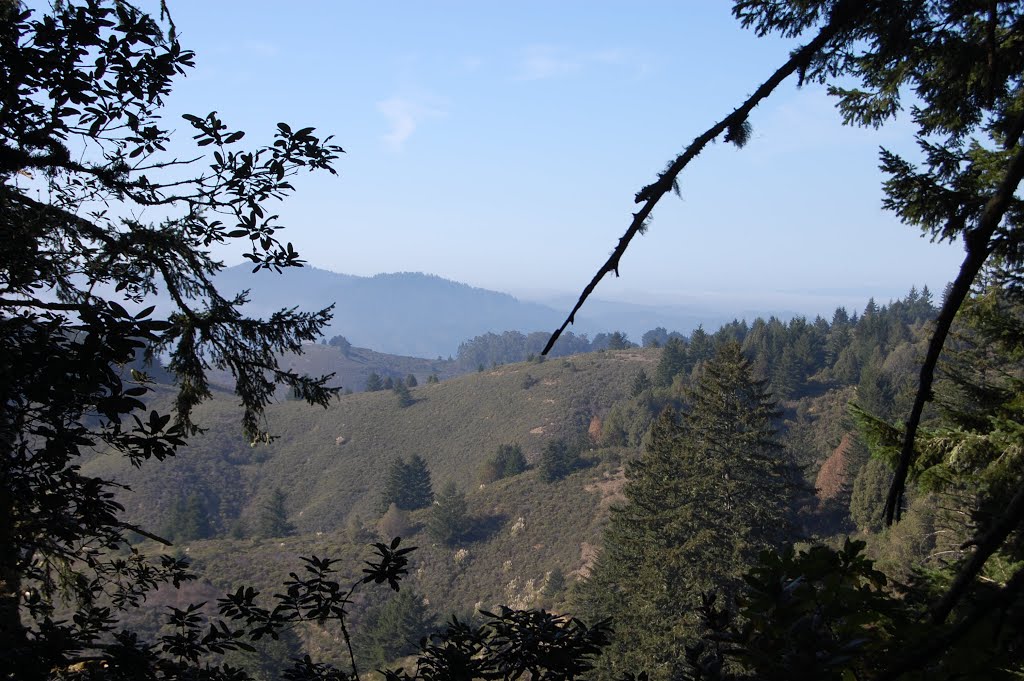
(394, 629)
(419, 491)
(709, 493)
(449, 519)
(273, 521)
(407, 485)
(673, 361)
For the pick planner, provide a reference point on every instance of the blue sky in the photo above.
(500, 144)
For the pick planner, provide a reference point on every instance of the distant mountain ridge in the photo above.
(424, 315)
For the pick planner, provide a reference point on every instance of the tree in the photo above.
(655, 338)
(640, 383)
(273, 521)
(411, 381)
(189, 519)
(449, 520)
(394, 629)
(419, 493)
(342, 344)
(405, 398)
(618, 341)
(407, 484)
(374, 382)
(557, 460)
(960, 64)
(509, 460)
(709, 493)
(82, 157)
(673, 361)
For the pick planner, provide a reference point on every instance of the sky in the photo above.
(501, 144)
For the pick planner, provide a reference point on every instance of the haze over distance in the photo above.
(502, 145)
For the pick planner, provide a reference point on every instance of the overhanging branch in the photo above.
(979, 242)
(652, 194)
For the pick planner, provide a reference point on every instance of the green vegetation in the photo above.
(711, 491)
(273, 520)
(449, 522)
(683, 500)
(557, 461)
(407, 484)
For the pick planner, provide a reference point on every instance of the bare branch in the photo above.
(668, 180)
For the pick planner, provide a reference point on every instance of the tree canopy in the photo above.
(83, 156)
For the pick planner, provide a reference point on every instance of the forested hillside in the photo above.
(778, 499)
(528, 533)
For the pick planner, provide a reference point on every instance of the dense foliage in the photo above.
(82, 152)
(938, 595)
(712, 489)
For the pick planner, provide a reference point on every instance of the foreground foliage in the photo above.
(82, 154)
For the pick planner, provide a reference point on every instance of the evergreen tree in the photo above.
(557, 460)
(411, 381)
(419, 493)
(509, 460)
(449, 520)
(618, 341)
(655, 338)
(342, 344)
(273, 520)
(407, 484)
(709, 493)
(374, 382)
(673, 361)
(394, 629)
(641, 382)
(405, 398)
(190, 519)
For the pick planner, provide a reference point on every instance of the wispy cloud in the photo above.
(539, 62)
(543, 61)
(404, 115)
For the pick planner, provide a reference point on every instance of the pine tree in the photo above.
(273, 521)
(419, 493)
(449, 521)
(557, 460)
(406, 485)
(509, 460)
(405, 398)
(189, 519)
(709, 493)
(673, 361)
(394, 629)
(374, 382)
(641, 382)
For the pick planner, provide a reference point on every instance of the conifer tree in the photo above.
(273, 520)
(374, 382)
(419, 492)
(509, 460)
(673, 361)
(407, 484)
(394, 629)
(405, 398)
(709, 493)
(449, 519)
(557, 460)
(641, 382)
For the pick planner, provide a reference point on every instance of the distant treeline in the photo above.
(785, 353)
